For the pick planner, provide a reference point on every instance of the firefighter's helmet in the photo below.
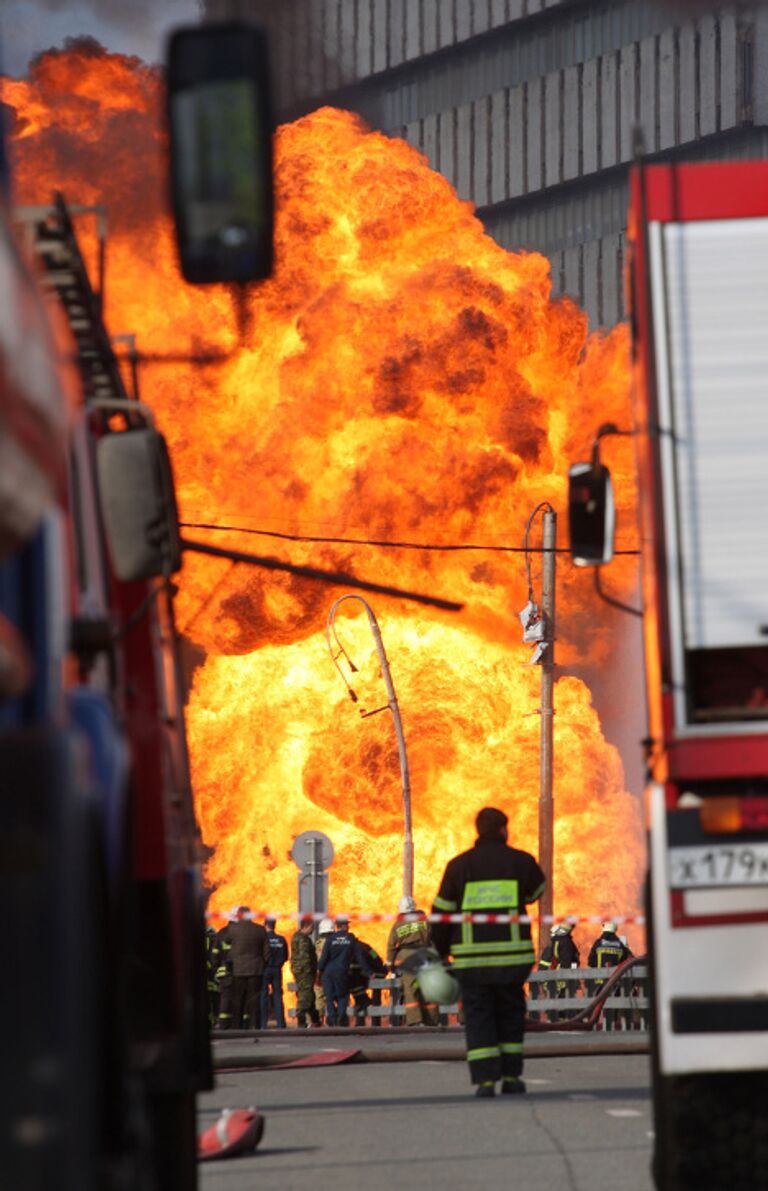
(406, 905)
(325, 927)
(609, 928)
(436, 984)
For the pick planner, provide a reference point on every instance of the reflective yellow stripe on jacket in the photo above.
(489, 897)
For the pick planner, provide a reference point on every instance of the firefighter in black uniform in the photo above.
(224, 977)
(358, 983)
(607, 951)
(491, 960)
(560, 952)
(212, 953)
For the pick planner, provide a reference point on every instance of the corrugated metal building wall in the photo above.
(529, 106)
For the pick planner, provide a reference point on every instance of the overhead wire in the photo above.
(381, 543)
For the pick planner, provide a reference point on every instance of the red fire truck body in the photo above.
(698, 282)
(105, 996)
(105, 990)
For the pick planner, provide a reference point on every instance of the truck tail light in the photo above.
(734, 816)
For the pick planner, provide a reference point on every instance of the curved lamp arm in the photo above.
(394, 708)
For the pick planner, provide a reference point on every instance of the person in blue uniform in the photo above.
(340, 951)
(272, 985)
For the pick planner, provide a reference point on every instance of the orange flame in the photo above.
(404, 379)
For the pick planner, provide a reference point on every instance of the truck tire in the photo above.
(56, 876)
(714, 1132)
(173, 1124)
(711, 1129)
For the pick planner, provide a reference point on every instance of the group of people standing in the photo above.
(333, 972)
(491, 960)
(608, 951)
(330, 971)
(244, 964)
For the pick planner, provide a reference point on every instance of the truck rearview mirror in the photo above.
(220, 125)
(591, 514)
(138, 504)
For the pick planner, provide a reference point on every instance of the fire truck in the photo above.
(698, 288)
(104, 978)
(104, 982)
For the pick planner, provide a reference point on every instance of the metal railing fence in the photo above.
(593, 998)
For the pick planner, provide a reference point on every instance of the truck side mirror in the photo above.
(591, 514)
(220, 124)
(138, 504)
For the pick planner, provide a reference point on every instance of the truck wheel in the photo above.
(714, 1132)
(173, 1122)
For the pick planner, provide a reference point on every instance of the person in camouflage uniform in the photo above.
(304, 968)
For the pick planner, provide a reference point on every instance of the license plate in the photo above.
(699, 867)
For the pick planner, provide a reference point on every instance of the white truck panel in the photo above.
(699, 962)
(715, 280)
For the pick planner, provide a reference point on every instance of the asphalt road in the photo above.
(585, 1125)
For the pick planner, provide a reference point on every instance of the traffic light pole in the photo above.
(547, 712)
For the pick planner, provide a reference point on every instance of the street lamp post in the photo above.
(539, 629)
(546, 801)
(393, 707)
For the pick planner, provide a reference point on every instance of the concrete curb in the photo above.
(293, 1032)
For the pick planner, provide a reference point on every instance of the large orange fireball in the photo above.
(404, 380)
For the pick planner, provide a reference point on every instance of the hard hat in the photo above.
(609, 928)
(325, 927)
(436, 983)
(554, 928)
(406, 905)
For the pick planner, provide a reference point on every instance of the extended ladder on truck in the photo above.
(50, 236)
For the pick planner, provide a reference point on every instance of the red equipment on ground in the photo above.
(238, 1131)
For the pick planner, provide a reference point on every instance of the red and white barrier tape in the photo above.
(547, 919)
